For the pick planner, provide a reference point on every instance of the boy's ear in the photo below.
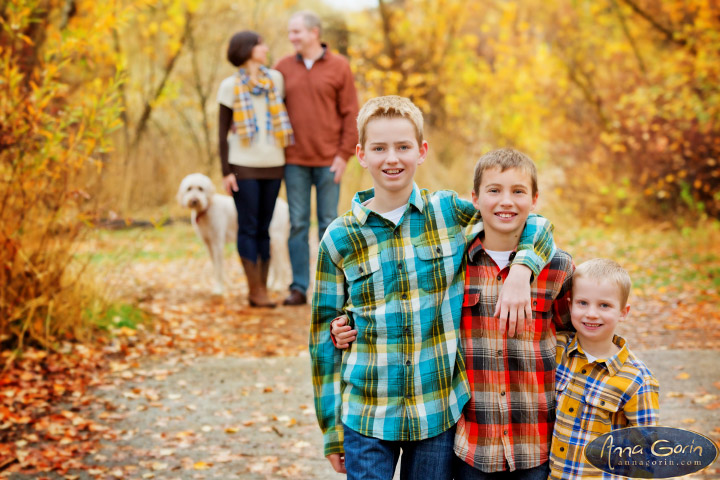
(534, 201)
(423, 149)
(360, 154)
(475, 199)
(624, 312)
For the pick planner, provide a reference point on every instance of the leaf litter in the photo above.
(55, 415)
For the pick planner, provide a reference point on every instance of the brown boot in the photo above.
(264, 270)
(257, 296)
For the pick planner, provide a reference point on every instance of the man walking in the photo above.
(322, 104)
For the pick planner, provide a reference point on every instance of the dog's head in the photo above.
(195, 192)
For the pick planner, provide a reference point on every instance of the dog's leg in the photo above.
(216, 255)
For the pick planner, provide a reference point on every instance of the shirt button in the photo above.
(502, 394)
(505, 432)
(499, 277)
(404, 297)
(602, 402)
(406, 329)
(562, 449)
(584, 371)
(399, 266)
(438, 249)
(499, 352)
(535, 303)
(572, 409)
(408, 362)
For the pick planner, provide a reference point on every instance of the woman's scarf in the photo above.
(244, 121)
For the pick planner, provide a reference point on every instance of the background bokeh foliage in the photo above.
(105, 105)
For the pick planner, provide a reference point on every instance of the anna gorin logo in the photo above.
(651, 452)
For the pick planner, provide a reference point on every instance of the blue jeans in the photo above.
(298, 183)
(255, 202)
(368, 458)
(463, 471)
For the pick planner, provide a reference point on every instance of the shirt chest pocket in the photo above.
(603, 411)
(363, 275)
(438, 260)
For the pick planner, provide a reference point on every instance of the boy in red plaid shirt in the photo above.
(506, 428)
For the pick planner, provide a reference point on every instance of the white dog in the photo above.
(215, 220)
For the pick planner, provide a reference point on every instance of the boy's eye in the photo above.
(605, 305)
(493, 190)
(581, 302)
(519, 191)
(378, 149)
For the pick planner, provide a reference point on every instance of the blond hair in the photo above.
(505, 159)
(604, 269)
(390, 106)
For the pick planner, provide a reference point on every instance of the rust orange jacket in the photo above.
(322, 105)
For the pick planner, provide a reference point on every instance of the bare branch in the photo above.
(169, 66)
(667, 32)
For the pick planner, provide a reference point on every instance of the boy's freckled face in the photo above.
(504, 199)
(596, 310)
(391, 154)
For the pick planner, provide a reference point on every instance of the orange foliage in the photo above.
(47, 135)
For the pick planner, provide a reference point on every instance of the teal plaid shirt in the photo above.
(402, 289)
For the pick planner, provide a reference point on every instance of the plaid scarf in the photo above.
(244, 119)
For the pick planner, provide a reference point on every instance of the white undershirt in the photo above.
(393, 215)
(308, 62)
(500, 258)
(591, 358)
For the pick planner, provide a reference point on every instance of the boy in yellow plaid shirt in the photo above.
(601, 385)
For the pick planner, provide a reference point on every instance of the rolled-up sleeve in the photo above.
(536, 246)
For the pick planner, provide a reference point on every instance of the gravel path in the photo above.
(225, 417)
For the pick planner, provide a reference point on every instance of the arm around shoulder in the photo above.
(536, 246)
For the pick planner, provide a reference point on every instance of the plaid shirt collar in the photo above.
(613, 364)
(361, 212)
(476, 247)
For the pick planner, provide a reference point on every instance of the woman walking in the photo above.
(254, 129)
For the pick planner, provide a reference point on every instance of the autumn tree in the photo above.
(641, 104)
(56, 113)
(617, 99)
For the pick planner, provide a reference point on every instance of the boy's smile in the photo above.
(391, 154)
(504, 199)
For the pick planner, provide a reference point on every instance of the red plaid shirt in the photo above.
(508, 422)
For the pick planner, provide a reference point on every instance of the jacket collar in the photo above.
(326, 53)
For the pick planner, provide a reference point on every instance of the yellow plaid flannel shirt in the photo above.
(594, 398)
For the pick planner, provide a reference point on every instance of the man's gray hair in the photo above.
(310, 19)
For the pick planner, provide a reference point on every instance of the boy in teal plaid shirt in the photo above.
(394, 266)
